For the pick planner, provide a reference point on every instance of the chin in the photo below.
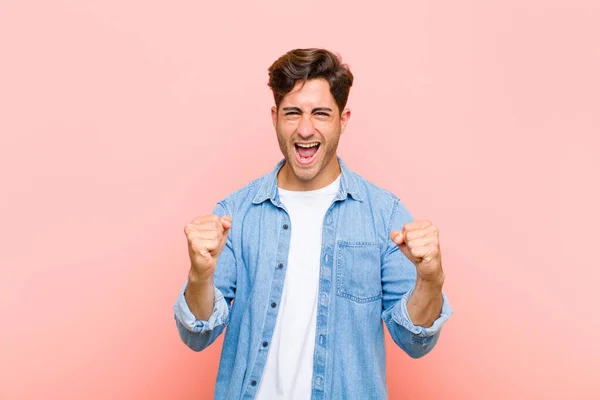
(306, 177)
(305, 174)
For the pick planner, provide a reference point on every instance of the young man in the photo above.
(304, 263)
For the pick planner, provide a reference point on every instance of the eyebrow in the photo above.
(313, 110)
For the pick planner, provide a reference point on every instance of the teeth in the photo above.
(306, 146)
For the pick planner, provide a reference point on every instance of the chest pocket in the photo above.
(359, 271)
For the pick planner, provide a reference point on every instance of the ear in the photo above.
(344, 118)
(274, 115)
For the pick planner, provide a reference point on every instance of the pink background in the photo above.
(120, 121)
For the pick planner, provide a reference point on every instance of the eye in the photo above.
(322, 114)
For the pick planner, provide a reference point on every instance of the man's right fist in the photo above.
(206, 238)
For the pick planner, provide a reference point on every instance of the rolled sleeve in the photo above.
(184, 315)
(400, 316)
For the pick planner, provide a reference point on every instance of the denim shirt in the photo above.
(365, 281)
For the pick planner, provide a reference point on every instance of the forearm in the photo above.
(200, 296)
(425, 304)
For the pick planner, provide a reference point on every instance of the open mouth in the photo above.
(306, 153)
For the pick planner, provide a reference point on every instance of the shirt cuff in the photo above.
(184, 315)
(401, 317)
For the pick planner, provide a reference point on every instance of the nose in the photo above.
(305, 128)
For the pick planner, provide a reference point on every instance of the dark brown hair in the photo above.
(304, 64)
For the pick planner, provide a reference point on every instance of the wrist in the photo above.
(430, 283)
(200, 280)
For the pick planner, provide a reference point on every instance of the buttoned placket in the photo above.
(279, 270)
(324, 296)
(325, 288)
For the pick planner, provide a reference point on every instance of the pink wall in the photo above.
(120, 121)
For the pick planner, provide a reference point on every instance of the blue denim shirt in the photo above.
(364, 279)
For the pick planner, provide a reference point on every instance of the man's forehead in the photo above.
(314, 92)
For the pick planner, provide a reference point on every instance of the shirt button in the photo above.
(273, 305)
(285, 226)
(253, 383)
(280, 265)
(322, 340)
(265, 344)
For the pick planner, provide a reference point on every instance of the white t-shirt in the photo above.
(289, 366)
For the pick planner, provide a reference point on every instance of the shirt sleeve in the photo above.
(185, 316)
(400, 316)
(398, 275)
(199, 334)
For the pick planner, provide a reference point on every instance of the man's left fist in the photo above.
(419, 241)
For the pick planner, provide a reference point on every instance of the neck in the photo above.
(287, 179)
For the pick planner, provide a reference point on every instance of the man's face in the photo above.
(308, 125)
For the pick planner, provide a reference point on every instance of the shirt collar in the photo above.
(268, 189)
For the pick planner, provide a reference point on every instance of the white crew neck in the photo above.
(332, 188)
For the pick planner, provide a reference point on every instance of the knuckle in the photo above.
(199, 244)
(198, 250)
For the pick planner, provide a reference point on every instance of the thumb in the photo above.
(406, 251)
(397, 237)
(226, 221)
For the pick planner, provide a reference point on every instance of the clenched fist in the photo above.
(419, 241)
(206, 238)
